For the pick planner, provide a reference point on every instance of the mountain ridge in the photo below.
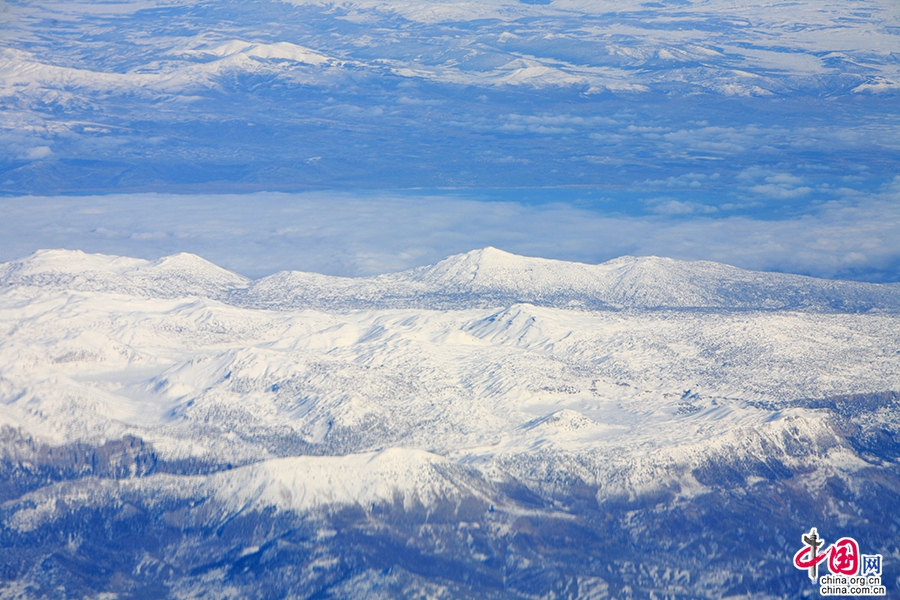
(486, 277)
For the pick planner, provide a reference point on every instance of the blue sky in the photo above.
(377, 135)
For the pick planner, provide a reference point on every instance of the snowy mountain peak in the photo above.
(491, 256)
(490, 268)
(195, 268)
(184, 259)
(476, 260)
(642, 282)
(60, 260)
(303, 483)
(178, 275)
(67, 269)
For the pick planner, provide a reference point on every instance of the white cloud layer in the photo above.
(361, 234)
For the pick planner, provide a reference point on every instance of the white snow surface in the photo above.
(405, 382)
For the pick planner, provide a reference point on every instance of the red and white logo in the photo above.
(852, 573)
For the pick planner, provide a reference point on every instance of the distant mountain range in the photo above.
(391, 94)
(480, 278)
(491, 426)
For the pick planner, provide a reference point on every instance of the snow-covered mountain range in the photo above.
(488, 388)
(300, 94)
(481, 278)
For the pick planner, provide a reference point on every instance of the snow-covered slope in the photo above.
(409, 477)
(176, 384)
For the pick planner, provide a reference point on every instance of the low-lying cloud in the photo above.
(366, 233)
